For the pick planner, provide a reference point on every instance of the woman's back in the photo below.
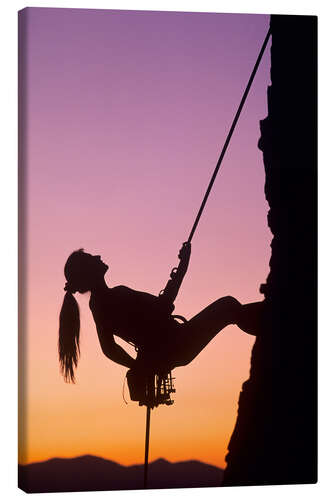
(136, 317)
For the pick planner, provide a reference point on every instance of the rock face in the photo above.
(275, 437)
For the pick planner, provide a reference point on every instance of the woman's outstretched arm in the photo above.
(119, 355)
(114, 351)
(172, 287)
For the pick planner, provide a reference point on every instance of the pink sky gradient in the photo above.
(127, 113)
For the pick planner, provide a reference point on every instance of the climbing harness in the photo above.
(155, 389)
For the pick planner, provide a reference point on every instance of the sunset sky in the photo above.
(127, 113)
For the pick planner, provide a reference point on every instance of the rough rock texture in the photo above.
(275, 437)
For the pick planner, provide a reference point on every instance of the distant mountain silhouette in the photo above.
(91, 473)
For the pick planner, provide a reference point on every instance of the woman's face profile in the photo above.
(95, 263)
(84, 270)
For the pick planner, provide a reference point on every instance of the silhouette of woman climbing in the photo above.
(142, 319)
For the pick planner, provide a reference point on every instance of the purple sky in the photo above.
(127, 115)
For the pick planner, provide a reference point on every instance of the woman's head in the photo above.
(83, 272)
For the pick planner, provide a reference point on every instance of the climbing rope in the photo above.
(145, 472)
(232, 128)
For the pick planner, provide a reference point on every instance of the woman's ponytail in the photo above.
(69, 337)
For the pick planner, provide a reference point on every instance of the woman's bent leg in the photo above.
(250, 317)
(202, 328)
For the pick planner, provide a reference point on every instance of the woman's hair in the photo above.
(69, 319)
(69, 337)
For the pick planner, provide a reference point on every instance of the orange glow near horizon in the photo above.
(68, 420)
